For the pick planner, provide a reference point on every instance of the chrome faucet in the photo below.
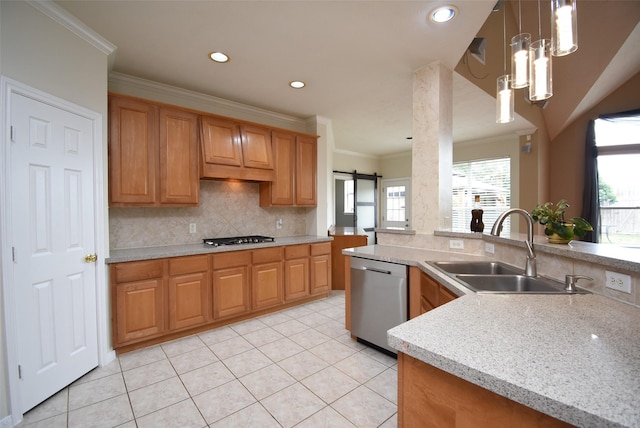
(530, 267)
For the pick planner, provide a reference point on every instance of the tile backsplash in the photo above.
(226, 209)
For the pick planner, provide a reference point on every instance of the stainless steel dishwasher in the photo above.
(379, 300)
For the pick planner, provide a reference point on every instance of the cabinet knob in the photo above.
(91, 258)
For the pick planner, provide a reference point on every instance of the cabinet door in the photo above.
(179, 177)
(320, 280)
(256, 147)
(230, 291)
(267, 285)
(220, 142)
(281, 190)
(133, 152)
(139, 310)
(188, 300)
(296, 278)
(306, 171)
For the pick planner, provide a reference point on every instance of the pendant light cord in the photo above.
(504, 37)
(539, 23)
(519, 17)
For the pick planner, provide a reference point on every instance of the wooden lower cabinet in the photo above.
(189, 292)
(267, 280)
(430, 397)
(433, 294)
(320, 279)
(231, 284)
(296, 272)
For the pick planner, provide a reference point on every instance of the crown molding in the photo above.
(356, 154)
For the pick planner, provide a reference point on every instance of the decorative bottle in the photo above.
(476, 216)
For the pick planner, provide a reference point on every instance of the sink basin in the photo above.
(513, 284)
(478, 268)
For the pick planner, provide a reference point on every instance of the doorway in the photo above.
(52, 224)
(356, 201)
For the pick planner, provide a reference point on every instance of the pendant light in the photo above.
(520, 55)
(564, 27)
(504, 93)
(540, 84)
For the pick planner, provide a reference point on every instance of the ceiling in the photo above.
(357, 58)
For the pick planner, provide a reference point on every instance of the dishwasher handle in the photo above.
(386, 272)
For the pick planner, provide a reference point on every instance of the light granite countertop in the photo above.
(574, 357)
(149, 253)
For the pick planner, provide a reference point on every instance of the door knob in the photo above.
(91, 258)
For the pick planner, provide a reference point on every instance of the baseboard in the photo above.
(6, 422)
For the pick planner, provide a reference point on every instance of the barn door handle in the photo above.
(91, 258)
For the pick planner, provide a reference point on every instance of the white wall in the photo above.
(37, 51)
(396, 166)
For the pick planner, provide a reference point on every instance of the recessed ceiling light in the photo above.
(219, 57)
(443, 14)
(297, 84)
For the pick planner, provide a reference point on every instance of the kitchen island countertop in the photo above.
(574, 357)
(149, 253)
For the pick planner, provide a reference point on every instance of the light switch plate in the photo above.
(456, 244)
(618, 281)
(192, 228)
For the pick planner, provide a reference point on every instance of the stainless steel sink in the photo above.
(514, 284)
(478, 268)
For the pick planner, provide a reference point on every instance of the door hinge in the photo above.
(19, 371)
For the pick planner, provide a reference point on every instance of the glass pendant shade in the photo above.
(564, 27)
(520, 60)
(540, 85)
(504, 98)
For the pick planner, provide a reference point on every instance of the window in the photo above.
(349, 202)
(396, 203)
(618, 143)
(488, 178)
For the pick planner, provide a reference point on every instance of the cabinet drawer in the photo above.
(267, 255)
(231, 259)
(296, 251)
(189, 264)
(323, 248)
(137, 271)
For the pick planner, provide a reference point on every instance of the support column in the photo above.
(432, 149)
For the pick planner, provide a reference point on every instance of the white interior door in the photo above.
(52, 230)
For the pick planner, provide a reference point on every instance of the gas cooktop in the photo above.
(237, 240)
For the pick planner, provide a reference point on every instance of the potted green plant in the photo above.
(558, 229)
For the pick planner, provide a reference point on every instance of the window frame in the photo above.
(396, 182)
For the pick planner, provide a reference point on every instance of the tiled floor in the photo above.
(297, 367)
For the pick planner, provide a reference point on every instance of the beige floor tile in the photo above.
(180, 346)
(318, 306)
(290, 328)
(97, 390)
(99, 372)
(266, 381)
(330, 384)
(157, 396)
(314, 319)
(281, 349)
(364, 408)
(184, 414)
(192, 360)
(275, 318)
(392, 422)
(59, 421)
(327, 418)
(247, 362)
(252, 416)
(332, 351)
(223, 401)
(130, 424)
(380, 357)
(309, 338)
(249, 326)
(108, 413)
(360, 367)
(345, 339)
(138, 358)
(292, 405)
(148, 374)
(297, 311)
(302, 365)
(205, 378)
(231, 347)
(335, 313)
(53, 406)
(333, 329)
(385, 384)
(217, 335)
(262, 337)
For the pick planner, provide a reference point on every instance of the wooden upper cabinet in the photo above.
(234, 150)
(133, 152)
(295, 172)
(179, 176)
(153, 154)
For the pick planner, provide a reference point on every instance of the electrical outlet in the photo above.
(618, 281)
(192, 228)
(456, 244)
(489, 248)
(279, 223)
